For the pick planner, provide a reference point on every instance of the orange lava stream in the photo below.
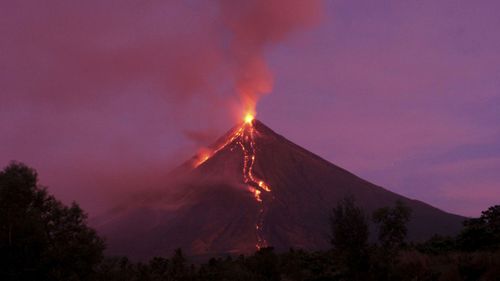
(207, 154)
(244, 137)
(255, 185)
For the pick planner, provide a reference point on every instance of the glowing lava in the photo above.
(206, 153)
(244, 138)
(255, 185)
(248, 118)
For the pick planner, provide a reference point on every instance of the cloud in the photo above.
(96, 92)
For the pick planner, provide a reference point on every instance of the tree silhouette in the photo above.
(392, 222)
(40, 238)
(482, 233)
(392, 232)
(349, 236)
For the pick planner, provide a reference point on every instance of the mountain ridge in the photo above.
(228, 211)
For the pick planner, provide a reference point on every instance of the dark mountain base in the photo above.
(216, 213)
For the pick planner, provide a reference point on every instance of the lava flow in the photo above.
(244, 137)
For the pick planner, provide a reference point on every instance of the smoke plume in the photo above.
(94, 91)
(255, 25)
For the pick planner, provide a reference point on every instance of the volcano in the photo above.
(253, 188)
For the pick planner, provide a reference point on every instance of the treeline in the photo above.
(42, 239)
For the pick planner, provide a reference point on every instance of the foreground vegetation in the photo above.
(42, 239)
(410, 264)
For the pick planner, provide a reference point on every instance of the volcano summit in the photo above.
(252, 188)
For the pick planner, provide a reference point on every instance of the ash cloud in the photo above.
(255, 25)
(94, 92)
(71, 52)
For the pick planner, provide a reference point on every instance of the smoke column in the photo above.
(255, 25)
(97, 95)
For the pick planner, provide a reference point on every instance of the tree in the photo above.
(481, 233)
(392, 232)
(178, 266)
(392, 222)
(40, 238)
(349, 235)
(264, 263)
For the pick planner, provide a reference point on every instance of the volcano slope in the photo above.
(254, 189)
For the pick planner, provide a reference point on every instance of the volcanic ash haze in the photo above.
(253, 188)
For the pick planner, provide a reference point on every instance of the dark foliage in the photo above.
(392, 222)
(437, 245)
(481, 233)
(40, 238)
(392, 232)
(349, 237)
(301, 266)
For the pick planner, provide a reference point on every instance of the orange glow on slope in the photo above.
(206, 154)
(256, 185)
(256, 193)
(244, 138)
(202, 156)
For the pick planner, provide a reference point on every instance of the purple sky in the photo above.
(102, 98)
